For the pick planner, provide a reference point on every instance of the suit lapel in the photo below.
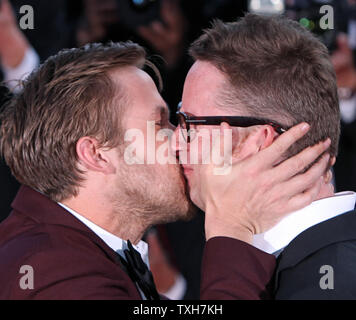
(338, 229)
(41, 209)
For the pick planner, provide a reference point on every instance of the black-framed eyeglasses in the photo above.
(185, 120)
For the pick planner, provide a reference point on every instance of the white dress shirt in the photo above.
(176, 292)
(114, 242)
(277, 238)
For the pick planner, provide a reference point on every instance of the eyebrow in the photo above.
(187, 113)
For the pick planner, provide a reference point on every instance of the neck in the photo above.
(121, 220)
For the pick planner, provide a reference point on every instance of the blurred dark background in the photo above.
(166, 28)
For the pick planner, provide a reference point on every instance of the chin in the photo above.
(182, 208)
(195, 200)
(184, 215)
(173, 193)
(190, 214)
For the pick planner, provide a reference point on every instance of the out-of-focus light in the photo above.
(266, 6)
(255, 5)
(138, 2)
(311, 25)
(304, 22)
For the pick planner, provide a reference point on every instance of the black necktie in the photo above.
(138, 272)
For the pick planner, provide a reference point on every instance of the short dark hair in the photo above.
(275, 69)
(70, 96)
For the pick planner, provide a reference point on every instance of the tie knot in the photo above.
(134, 258)
(139, 272)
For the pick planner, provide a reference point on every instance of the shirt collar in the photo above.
(295, 223)
(114, 242)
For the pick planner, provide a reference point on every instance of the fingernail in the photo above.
(327, 142)
(305, 127)
(326, 157)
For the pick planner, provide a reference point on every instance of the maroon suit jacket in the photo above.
(69, 261)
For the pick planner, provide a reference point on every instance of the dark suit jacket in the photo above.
(330, 243)
(71, 262)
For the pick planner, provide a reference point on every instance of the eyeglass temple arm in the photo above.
(245, 122)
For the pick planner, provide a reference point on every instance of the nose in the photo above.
(177, 144)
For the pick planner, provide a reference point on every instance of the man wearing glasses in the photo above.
(258, 77)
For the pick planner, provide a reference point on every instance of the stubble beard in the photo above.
(155, 194)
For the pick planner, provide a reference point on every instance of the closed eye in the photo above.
(163, 113)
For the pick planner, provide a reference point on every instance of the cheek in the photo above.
(199, 150)
(193, 180)
(212, 147)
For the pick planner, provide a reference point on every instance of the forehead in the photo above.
(140, 91)
(201, 89)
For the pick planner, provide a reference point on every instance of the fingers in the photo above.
(275, 152)
(305, 198)
(302, 182)
(304, 188)
(299, 162)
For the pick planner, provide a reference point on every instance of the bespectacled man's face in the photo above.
(200, 95)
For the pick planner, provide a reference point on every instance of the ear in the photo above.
(92, 157)
(332, 161)
(255, 140)
(328, 175)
